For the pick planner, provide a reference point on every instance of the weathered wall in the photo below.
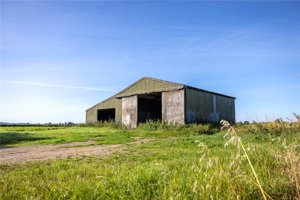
(129, 111)
(226, 108)
(173, 106)
(91, 114)
(201, 106)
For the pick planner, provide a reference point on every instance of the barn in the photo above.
(154, 99)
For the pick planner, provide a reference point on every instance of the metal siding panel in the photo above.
(226, 108)
(91, 115)
(118, 110)
(199, 105)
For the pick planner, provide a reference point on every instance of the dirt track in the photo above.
(61, 151)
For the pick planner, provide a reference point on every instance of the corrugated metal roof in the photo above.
(149, 85)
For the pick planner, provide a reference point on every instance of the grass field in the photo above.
(182, 162)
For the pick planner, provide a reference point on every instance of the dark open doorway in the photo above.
(149, 107)
(106, 114)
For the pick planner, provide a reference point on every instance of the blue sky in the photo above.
(60, 57)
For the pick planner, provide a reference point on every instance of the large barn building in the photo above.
(154, 99)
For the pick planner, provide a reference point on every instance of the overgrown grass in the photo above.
(185, 162)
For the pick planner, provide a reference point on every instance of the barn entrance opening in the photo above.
(149, 107)
(106, 115)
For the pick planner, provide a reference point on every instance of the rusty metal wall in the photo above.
(173, 107)
(201, 106)
(91, 114)
(130, 111)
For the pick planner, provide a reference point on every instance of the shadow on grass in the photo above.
(9, 138)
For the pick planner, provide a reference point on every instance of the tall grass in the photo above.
(277, 127)
(107, 124)
(207, 128)
(235, 139)
(185, 162)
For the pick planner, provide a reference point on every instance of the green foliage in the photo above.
(151, 125)
(278, 127)
(107, 124)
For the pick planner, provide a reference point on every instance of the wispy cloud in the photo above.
(56, 85)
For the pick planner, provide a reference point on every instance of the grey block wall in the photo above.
(130, 111)
(173, 107)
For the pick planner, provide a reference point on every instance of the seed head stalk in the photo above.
(232, 130)
(251, 166)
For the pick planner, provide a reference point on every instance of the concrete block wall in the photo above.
(130, 111)
(173, 107)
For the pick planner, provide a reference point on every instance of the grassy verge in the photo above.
(180, 164)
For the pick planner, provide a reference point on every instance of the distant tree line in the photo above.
(38, 124)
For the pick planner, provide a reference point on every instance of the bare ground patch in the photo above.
(61, 151)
